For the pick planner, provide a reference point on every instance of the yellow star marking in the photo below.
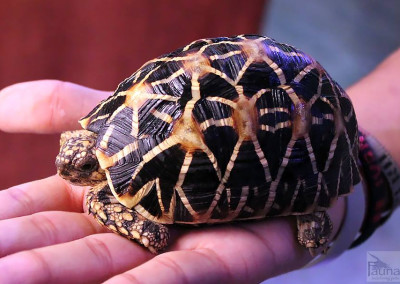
(230, 103)
(245, 117)
(178, 187)
(311, 154)
(131, 201)
(261, 92)
(295, 194)
(291, 54)
(301, 115)
(225, 178)
(197, 65)
(332, 149)
(261, 157)
(170, 78)
(162, 116)
(106, 137)
(339, 177)
(277, 70)
(246, 65)
(115, 113)
(239, 90)
(100, 117)
(280, 125)
(274, 183)
(213, 160)
(226, 55)
(274, 110)
(166, 144)
(86, 121)
(256, 53)
(218, 123)
(242, 202)
(195, 41)
(305, 71)
(136, 97)
(315, 202)
(167, 217)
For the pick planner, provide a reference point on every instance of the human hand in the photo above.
(376, 100)
(45, 235)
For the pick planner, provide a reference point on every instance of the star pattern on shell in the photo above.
(215, 87)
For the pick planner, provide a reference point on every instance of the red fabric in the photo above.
(96, 44)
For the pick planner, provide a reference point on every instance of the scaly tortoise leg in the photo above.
(314, 230)
(125, 221)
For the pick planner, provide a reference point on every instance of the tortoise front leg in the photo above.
(314, 230)
(125, 221)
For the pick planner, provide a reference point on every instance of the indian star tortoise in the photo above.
(223, 129)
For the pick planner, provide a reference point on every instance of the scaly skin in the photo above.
(124, 221)
(77, 161)
(314, 230)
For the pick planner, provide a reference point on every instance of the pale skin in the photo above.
(46, 236)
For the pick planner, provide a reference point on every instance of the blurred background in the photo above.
(99, 43)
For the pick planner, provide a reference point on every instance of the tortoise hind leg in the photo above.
(125, 221)
(314, 231)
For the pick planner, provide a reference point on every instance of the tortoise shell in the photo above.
(227, 128)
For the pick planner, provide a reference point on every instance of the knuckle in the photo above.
(46, 228)
(55, 105)
(22, 199)
(170, 264)
(102, 253)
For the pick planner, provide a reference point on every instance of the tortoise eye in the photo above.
(88, 166)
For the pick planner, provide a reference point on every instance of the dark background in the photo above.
(96, 44)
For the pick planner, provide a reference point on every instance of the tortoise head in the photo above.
(77, 161)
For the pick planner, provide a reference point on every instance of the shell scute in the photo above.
(308, 86)
(287, 58)
(199, 182)
(259, 75)
(212, 85)
(322, 132)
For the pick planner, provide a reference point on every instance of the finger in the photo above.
(46, 106)
(44, 229)
(51, 193)
(200, 266)
(92, 259)
(241, 253)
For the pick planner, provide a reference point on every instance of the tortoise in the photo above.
(223, 129)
